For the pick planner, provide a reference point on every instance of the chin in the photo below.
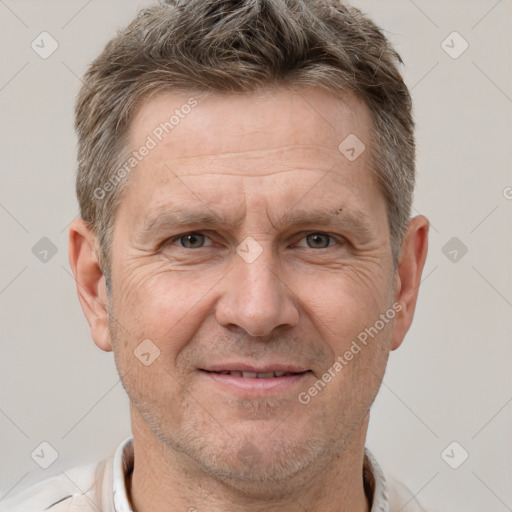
(255, 463)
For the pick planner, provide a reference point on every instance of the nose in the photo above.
(256, 299)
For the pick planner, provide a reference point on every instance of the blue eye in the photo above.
(318, 241)
(193, 240)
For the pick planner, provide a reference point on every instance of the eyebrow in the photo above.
(342, 218)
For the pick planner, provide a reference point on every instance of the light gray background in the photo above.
(450, 380)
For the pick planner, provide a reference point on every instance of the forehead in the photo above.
(262, 120)
(229, 149)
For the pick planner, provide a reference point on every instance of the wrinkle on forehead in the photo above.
(253, 122)
(287, 140)
(257, 153)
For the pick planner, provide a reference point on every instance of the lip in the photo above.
(244, 367)
(253, 386)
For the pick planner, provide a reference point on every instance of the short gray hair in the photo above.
(240, 46)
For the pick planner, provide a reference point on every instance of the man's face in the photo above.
(246, 241)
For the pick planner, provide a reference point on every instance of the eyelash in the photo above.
(176, 238)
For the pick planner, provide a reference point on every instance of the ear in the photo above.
(408, 276)
(90, 282)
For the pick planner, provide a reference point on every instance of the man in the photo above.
(245, 248)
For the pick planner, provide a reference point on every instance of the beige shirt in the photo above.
(102, 487)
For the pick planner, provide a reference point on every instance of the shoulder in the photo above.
(400, 496)
(78, 488)
(389, 494)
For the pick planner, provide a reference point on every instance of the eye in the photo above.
(192, 240)
(317, 241)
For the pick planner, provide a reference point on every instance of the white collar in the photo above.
(123, 467)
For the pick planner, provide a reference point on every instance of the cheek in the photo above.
(343, 303)
(144, 350)
(165, 306)
(357, 369)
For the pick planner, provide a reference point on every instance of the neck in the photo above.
(164, 480)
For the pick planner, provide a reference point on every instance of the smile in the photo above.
(255, 375)
(250, 382)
